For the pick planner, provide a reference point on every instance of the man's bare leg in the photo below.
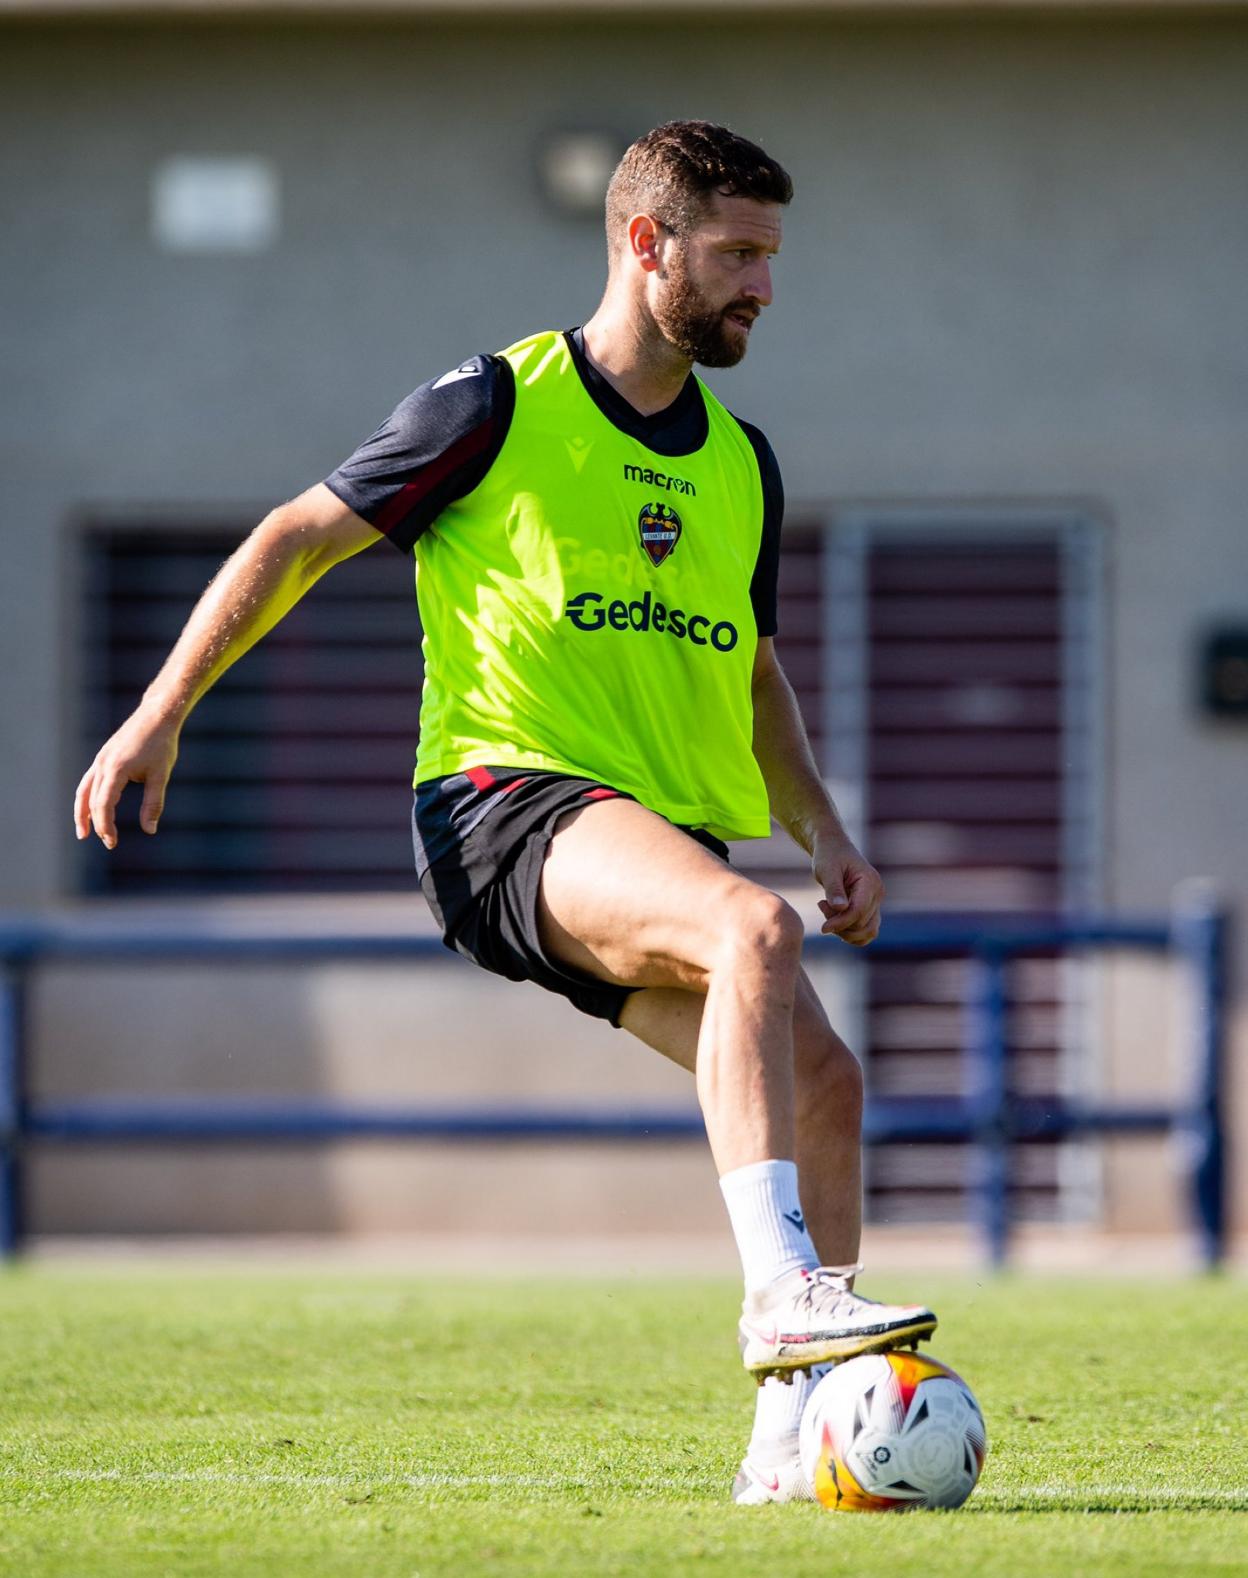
(828, 1091)
(828, 1105)
(627, 897)
(630, 899)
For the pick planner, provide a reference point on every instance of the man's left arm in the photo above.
(802, 805)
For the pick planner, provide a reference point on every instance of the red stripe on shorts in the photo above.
(602, 794)
(480, 777)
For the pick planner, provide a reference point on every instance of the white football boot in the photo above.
(813, 1317)
(758, 1483)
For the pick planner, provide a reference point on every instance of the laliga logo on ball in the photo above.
(660, 529)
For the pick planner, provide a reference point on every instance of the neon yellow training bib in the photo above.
(587, 607)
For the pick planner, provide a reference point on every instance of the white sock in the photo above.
(778, 1416)
(767, 1221)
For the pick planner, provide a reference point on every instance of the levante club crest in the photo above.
(659, 525)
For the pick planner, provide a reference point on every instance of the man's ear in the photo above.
(644, 236)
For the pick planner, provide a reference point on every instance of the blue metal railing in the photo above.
(990, 1115)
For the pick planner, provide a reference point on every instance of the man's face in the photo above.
(715, 280)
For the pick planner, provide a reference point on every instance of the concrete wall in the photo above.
(373, 1035)
(1015, 267)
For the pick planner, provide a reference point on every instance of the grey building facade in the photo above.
(1013, 277)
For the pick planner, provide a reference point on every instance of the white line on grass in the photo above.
(1081, 1497)
(214, 1476)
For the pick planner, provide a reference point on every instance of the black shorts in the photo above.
(480, 838)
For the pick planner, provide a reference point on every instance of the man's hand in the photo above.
(853, 887)
(142, 751)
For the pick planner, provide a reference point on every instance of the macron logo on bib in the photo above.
(659, 479)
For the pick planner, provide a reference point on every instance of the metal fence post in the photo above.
(12, 1097)
(988, 1070)
(1200, 935)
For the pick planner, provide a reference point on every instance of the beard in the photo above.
(695, 328)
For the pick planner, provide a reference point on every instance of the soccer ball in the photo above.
(892, 1431)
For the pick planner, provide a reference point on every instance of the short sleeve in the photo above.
(765, 580)
(436, 446)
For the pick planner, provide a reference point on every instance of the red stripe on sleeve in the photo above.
(464, 449)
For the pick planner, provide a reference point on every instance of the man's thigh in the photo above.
(629, 898)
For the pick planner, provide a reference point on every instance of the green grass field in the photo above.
(174, 1422)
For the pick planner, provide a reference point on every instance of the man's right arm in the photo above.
(260, 583)
(435, 447)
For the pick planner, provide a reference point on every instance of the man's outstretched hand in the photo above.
(853, 888)
(141, 752)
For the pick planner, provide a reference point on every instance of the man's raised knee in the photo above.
(761, 930)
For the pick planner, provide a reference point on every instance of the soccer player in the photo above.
(596, 540)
